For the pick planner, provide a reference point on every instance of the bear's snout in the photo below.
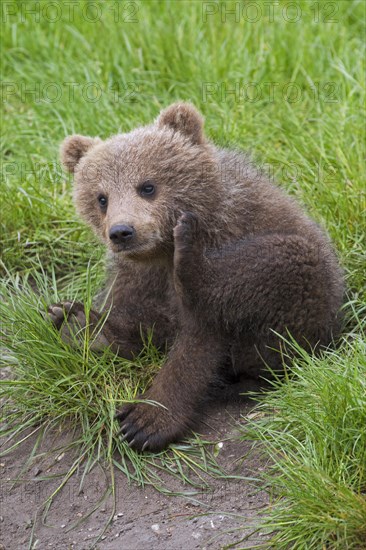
(121, 234)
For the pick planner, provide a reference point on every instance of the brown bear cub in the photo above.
(205, 252)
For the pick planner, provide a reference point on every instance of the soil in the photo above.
(144, 518)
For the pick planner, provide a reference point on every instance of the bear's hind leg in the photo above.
(260, 284)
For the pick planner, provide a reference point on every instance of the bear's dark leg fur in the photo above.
(181, 387)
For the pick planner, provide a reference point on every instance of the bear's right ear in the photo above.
(73, 148)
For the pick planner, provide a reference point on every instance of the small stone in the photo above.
(155, 528)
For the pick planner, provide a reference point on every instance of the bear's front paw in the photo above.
(150, 427)
(69, 312)
(70, 319)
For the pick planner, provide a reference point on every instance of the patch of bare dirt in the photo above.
(144, 518)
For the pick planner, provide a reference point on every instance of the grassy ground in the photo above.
(313, 427)
(284, 82)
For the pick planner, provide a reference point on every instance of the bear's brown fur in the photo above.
(205, 251)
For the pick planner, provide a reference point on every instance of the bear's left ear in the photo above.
(73, 148)
(183, 118)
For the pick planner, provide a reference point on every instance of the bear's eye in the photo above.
(147, 189)
(103, 201)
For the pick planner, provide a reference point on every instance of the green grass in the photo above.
(306, 128)
(313, 428)
(55, 387)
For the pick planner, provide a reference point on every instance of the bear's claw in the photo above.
(148, 428)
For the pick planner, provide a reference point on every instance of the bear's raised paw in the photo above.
(186, 232)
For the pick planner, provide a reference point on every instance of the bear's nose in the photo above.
(121, 233)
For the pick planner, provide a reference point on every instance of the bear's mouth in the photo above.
(133, 249)
(117, 248)
(147, 251)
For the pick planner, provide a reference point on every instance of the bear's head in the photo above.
(133, 187)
